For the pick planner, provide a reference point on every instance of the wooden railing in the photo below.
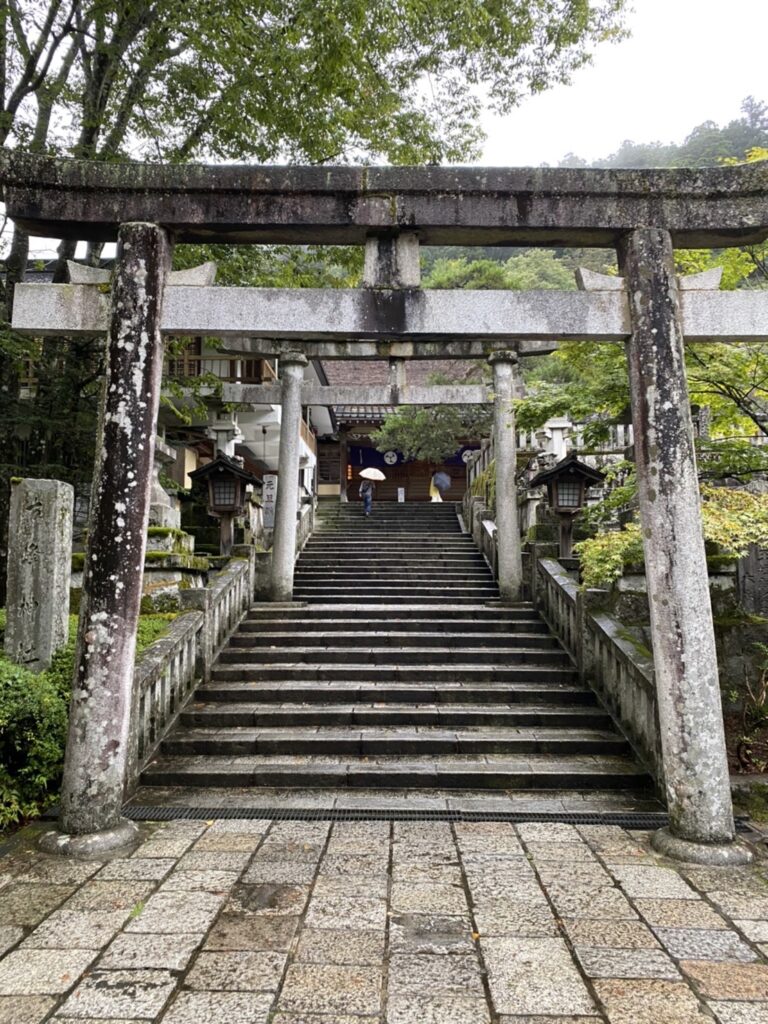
(233, 370)
(308, 437)
(168, 671)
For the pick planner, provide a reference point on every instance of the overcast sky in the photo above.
(687, 61)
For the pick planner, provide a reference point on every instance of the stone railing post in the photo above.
(248, 551)
(292, 367)
(100, 712)
(510, 568)
(200, 600)
(690, 710)
(39, 564)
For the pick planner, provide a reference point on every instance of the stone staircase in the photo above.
(401, 671)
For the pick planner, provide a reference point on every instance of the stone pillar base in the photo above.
(712, 854)
(92, 845)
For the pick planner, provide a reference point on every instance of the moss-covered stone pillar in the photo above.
(94, 771)
(284, 544)
(510, 566)
(690, 712)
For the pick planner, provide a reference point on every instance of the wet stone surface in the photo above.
(246, 922)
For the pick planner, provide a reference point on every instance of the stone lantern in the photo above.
(566, 485)
(227, 483)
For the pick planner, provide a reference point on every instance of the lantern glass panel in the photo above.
(224, 492)
(568, 493)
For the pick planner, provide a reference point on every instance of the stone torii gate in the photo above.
(391, 211)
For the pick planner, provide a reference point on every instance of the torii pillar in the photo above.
(688, 692)
(102, 694)
(509, 550)
(292, 366)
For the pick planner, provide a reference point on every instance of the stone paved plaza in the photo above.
(294, 922)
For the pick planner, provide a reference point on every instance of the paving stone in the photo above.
(315, 832)
(229, 1007)
(611, 934)
(329, 988)
(699, 944)
(138, 868)
(239, 826)
(605, 904)
(649, 1002)
(227, 842)
(728, 980)
(161, 952)
(280, 871)
(626, 963)
(563, 853)
(549, 832)
(77, 929)
(748, 908)
(456, 1009)
(371, 887)
(31, 972)
(573, 876)
(436, 976)
(428, 899)
(739, 1013)
(197, 860)
(534, 976)
(429, 933)
(25, 1009)
(270, 899)
(9, 936)
(335, 912)
(102, 1020)
(320, 1018)
(680, 914)
(241, 971)
(295, 851)
(200, 881)
(167, 912)
(737, 881)
(109, 896)
(322, 946)
(756, 931)
(244, 931)
(538, 1019)
(652, 882)
(516, 917)
(343, 865)
(140, 994)
(58, 871)
(426, 873)
(26, 904)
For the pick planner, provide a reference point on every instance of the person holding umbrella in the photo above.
(439, 483)
(368, 487)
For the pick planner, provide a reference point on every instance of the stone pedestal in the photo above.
(39, 564)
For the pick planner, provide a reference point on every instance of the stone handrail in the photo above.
(608, 657)
(168, 671)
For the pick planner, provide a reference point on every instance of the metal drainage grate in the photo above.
(628, 820)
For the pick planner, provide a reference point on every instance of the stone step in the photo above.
(400, 640)
(395, 573)
(392, 655)
(366, 741)
(323, 597)
(438, 674)
(493, 630)
(531, 771)
(351, 614)
(218, 715)
(397, 591)
(385, 692)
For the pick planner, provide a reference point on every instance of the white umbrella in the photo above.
(372, 474)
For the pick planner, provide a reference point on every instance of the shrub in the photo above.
(604, 557)
(34, 709)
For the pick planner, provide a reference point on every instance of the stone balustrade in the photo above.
(167, 672)
(608, 656)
